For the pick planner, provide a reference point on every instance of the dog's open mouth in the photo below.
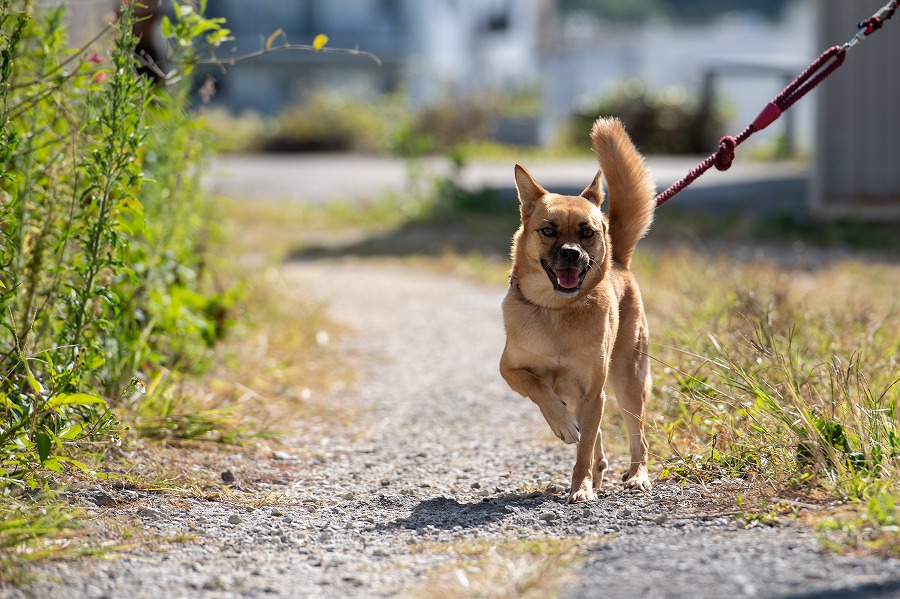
(565, 280)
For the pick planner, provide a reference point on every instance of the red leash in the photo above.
(814, 74)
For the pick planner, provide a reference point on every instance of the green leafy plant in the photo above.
(193, 34)
(62, 190)
(103, 244)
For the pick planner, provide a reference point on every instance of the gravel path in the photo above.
(441, 453)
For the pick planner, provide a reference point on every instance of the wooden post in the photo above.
(857, 165)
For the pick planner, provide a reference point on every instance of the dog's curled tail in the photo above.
(631, 189)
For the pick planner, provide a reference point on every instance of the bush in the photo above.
(444, 126)
(103, 235)
(330, 121)
(666, 123)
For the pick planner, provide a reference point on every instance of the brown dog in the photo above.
(573, 313)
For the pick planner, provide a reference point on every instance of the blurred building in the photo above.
(427, 48)
(438, 49)
(433, 49)
(86, 18)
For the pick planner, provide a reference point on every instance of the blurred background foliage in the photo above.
(669, 121)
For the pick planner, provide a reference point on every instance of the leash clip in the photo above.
(860, 36)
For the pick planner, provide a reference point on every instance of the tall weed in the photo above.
(103, 247)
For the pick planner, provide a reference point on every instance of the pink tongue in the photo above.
(567, 278)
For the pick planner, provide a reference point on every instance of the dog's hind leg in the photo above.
(630, 380)
(600, 461)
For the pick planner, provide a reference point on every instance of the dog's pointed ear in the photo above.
(594, 192)
(530, 191)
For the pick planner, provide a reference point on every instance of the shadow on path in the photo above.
(871, 590)
(446, 513)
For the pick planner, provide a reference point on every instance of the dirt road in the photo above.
(443, 461)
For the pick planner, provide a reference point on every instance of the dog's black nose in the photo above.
(569, 255)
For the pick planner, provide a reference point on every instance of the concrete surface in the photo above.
(318, 178)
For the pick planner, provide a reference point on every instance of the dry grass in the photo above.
(782, 376)
(279, 357)
(748, 348)
(528, 568)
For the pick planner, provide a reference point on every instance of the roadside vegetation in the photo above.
(779, 378)
(329, 120)
(115, 289)
(668, 121)
(105, 276)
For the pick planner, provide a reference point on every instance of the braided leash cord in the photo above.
(814, 74)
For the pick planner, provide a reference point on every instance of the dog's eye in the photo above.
(587, 233)
(548, 231)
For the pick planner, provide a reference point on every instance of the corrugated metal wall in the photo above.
(857, 170)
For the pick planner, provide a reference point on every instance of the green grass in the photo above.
(870, 528)
(32, 532)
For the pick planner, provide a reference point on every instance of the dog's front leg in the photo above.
(590, 413)
(537, 390)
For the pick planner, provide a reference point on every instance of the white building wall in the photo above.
(454, 48)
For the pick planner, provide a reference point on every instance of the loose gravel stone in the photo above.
(103, 499)
(149, 513)
(548, 516)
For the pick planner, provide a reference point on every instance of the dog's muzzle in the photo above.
(568, 270)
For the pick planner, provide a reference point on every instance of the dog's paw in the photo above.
(561, 423)
(582, 494)
(637, 478)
